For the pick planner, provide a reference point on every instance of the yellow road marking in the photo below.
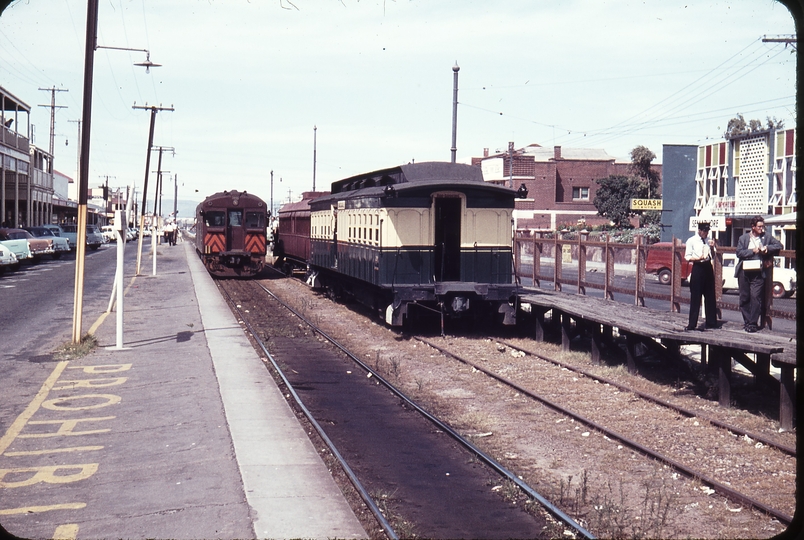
(66, 532)
(32, 407)
(38, 509)
(53, 451)
(99, 321)
(56, 404)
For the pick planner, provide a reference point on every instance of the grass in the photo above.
(73, 351)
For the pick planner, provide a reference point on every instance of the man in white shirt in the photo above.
(699, 250)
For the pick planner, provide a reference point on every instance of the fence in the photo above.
(573, 255)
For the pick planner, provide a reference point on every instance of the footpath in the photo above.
(182, 433)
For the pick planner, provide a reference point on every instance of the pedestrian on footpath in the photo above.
(755, 252)
(700, 250)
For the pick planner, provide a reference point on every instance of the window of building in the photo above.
(580, 193)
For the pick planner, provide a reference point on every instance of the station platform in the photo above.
(181, 433)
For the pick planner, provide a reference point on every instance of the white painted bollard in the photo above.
(153, 247)
(119, 228)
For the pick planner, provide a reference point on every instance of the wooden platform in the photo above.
(663, 333)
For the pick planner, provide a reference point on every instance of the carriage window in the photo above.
(235, 218)
(214, 219)
(254, 220)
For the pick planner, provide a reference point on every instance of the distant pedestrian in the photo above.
(755, 252)
(699, 250)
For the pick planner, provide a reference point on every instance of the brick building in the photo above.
(561, 182)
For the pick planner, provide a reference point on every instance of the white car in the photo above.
(784, 279)
(7, 259)
(108, 234)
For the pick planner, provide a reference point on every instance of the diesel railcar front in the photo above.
(230, 234)
(427, 236)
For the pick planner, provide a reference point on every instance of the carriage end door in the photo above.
(447, 248)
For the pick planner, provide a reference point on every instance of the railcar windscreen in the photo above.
(255, 220)
(214, 218)
(235, 218)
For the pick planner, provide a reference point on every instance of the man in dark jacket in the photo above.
(755, 252)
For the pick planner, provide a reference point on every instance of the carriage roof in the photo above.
(242, 199)
(414, 177)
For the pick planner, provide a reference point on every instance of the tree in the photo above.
(613, 198)
(641, 158)
(737, 126)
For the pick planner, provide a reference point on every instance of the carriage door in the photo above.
(447, 248)
(235, 234)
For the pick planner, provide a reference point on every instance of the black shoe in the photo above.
(751, 329)
(713, 326)
(690, 328)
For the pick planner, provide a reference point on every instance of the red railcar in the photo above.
(293, 235)
(230, 234)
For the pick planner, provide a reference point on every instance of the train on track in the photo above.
(231, 234)
(423, 237)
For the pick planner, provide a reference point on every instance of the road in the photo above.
(38, 302)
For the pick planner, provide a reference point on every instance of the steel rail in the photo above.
(691, 414)
(494, 464)
(344, 465)
(712, 483)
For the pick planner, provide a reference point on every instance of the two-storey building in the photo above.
(753, 173)
(561, 182)
(26, 172)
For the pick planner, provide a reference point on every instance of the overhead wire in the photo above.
(666, 110)
(711, 88)
(695, 92)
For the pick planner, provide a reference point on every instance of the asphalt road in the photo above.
(38, 301)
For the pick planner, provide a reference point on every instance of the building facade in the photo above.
(26, 172)
(561, 183)
(753, 173)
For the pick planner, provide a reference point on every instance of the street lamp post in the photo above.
(83, 162)
(454, 148)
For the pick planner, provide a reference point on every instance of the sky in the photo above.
(334, 88)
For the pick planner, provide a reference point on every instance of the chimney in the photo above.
(557, 152)
(485, 152)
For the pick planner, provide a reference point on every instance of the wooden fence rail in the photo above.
(579, 251)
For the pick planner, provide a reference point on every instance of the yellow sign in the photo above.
(646, 204)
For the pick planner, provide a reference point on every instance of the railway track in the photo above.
(420, 477)
(629, 436)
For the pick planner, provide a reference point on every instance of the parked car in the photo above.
(660, 262)
(108, 232)
(94, 237)
(784, 279)
(8, 261)
(60, 245)
(24, 245)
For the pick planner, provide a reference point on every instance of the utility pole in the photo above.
(455, 70)
(143, 208)
(83, 168)
(315, 135)
(792, 40)
(78, 147)
(53, 108)
(511, 164)
(106, 196)
(159, 172)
